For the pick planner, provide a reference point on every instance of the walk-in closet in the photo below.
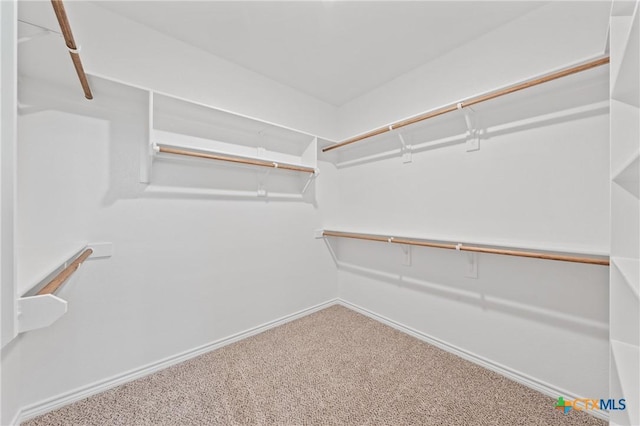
(324, 212)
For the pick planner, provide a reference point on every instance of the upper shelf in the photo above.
(630, 270)
(61, 15)
(166, 142)
(626, 87)
(180, 116)
(628, 176)
(475, 100)
(189, 129)
(626, 359)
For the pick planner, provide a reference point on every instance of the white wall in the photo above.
(185, 271)
(539, 180)
(119, 48)
(188, 271)
(546, 38)
(8, 78)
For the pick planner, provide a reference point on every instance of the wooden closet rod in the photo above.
(472, 101)
(59, 279)
(61, 14)
(462, 247)
(240, 160)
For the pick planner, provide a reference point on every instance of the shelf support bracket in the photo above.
(405, 149)
(312, 176)
(473, 133)
(262, 184)
(472, 263)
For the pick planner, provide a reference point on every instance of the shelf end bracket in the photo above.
(473, 133)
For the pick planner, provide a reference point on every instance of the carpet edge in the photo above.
(30, 411)
(516, 376)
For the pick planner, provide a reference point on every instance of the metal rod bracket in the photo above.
(311, 177)
(473, 133)
(472, 265)
(406, 251)
(406, 150)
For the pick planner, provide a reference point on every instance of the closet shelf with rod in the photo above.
(232, 159)
(41, 307)
(184, 128)
(460, 105)
(490, 249)
(74, 49)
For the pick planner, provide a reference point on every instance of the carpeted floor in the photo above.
(334, 367)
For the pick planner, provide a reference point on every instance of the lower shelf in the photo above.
(39, 311)
(44, 308)
(625, 382)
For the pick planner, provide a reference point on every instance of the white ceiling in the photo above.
(332, 50)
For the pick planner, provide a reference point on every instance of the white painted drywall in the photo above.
(8, 100)
(119, 48)
(9, 405)
(541, 182)
(545, 39)
(185, 271)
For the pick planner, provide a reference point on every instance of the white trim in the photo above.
(524, 379)
(59, 401)
(17, 419)
(66, 398)
(202, 104)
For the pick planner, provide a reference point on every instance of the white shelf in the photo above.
(626, 87)
(624, 301)
(38, 265)
(223, 148)
(627, 378)
(176, 123)
(625, 213)
(185, 192)
(181, 116)
(622, 7)
(511, 244)
(625, 223)
(628, 177)
(625, 131)
(630, 271)
(566, 96)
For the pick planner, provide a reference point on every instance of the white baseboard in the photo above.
(516, 376)
(17, 418)
(59, 401)
(66, 398)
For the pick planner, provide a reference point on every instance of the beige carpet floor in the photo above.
(334, 367)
